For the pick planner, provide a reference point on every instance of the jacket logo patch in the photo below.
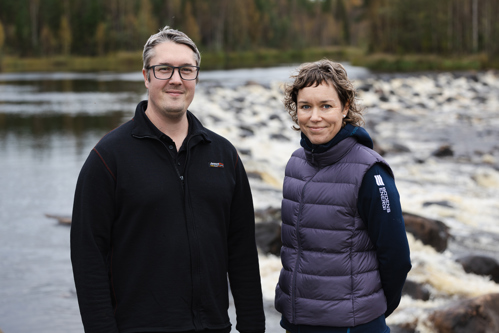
(379, 180)
(216, 165)
(385, 202)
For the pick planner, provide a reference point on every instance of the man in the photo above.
(163, 213)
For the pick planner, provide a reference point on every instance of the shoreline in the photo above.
(376, 62)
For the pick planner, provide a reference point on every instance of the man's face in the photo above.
(170, 98)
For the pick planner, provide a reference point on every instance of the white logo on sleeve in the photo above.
(385, 202)
(379, 180)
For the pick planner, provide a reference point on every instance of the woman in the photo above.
(345, 254)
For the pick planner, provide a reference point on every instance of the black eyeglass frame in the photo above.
(173, 71)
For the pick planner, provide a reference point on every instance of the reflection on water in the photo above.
(48, 125)
(38, 131)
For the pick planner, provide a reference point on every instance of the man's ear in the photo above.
(146, 81)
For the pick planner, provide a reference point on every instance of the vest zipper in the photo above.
(298, 258)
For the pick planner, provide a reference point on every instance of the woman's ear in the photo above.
(345, 110)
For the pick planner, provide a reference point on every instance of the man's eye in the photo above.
(164, 69)
(187, 70)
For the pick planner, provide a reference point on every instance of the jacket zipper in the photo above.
(197, 323)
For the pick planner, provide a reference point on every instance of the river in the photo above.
(48, 124)
(50, 121)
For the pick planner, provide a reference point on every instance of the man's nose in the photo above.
(176, 76)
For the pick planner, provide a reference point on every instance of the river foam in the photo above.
(410, 117)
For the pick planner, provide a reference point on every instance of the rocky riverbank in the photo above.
(440, 134)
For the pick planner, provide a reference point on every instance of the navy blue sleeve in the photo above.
(379, 208)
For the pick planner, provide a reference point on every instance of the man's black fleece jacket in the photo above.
(152, 242)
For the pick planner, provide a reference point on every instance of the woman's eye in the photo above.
(305, 107)
(327, 106)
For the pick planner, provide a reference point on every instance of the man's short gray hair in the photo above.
(167, 34)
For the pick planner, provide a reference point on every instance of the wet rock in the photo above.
(377, 148)
(384, 98)
(246, 152)
(269, 214)
(254, 175)
(403, 328)
(430, 232)
(279, 137)
(268, 230)
(443, 203)
(365, 87)
(399, 148)
(65, 220)
(444, 151)
(481, 265)
(415, 290)
(477, 315)
(268, 237)
(246, 131)
(252, 83)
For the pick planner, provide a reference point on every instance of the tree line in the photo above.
(34, 28)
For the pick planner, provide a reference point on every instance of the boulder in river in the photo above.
(430, 232)
(416, 290)
(444, 151)
(268, 230)
(477, 315)
(481, 265)
(62, 219)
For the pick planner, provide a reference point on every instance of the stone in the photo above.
(481, 265)
(268, 237)
(268, 230)
(415, 290)
(444, 151)
(377, 148)
(430, 232)
(268, 215)
(443, 203)
(477, 315)
(403, 328)
(279, 137)
(62, 219)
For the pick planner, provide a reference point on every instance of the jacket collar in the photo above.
(144, 128)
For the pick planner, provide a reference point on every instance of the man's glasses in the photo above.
(165, 72)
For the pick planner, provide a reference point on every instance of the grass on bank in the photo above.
(132, 61)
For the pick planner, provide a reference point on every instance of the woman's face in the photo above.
(319, 111)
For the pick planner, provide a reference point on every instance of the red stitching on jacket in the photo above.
(112, 281)
(105, 163)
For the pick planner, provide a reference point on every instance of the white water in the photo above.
(467, 182)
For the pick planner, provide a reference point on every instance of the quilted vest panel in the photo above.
(330, 271)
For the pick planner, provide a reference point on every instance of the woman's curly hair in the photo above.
(313, 74)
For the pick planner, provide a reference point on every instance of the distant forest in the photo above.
(35, 28)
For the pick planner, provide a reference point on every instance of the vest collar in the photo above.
(331, 155)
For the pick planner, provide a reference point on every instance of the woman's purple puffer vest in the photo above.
(330, 271)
